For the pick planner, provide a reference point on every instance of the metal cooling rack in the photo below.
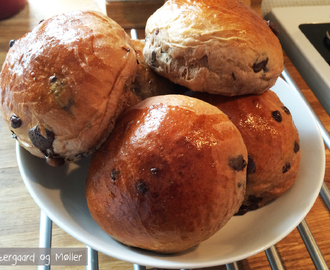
(273, 257)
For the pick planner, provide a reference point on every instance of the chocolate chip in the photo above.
(137, 61)
(114, 174)
(52, 79)
(153, 56)
(11, 43)
(39, 141)
(41, 21)
(157, 31)
(142, 187)
(251, 166)
(233, 75)
(296, 147)
(277, 116)
(273, 27)
(286, 110)
(237, 163)
(126, 49)
(258, 66)
(239, 185)
(154, 170)
(15, 121)
(286, 167)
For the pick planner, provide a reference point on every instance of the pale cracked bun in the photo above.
(272, 141)
(61, 84)
(171, 174)
(221, 47)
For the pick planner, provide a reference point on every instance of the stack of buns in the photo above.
(168, 170)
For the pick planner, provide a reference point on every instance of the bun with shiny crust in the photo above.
(171, 174)
(221, 47)
(61, 84)
(272, 141)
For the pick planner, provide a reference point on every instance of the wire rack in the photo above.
(274, 260)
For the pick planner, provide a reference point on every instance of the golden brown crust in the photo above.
(171, 174)
(272, 141)
(220, 47)
(66, 78)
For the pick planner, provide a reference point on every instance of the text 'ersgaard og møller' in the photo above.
(43, 256)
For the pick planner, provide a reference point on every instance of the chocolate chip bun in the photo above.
(171, 174)
(272, 141)
(61, 84)
(221, 47)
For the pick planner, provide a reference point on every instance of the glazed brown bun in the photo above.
(61, 84)
(171, 174)
(272, 141)
(221, 47)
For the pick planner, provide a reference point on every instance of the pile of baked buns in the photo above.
(182, 127)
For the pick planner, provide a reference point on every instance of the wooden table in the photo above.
(19, 214)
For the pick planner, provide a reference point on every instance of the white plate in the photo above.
(60, 193)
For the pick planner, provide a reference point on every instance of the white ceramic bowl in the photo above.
(60, 193)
